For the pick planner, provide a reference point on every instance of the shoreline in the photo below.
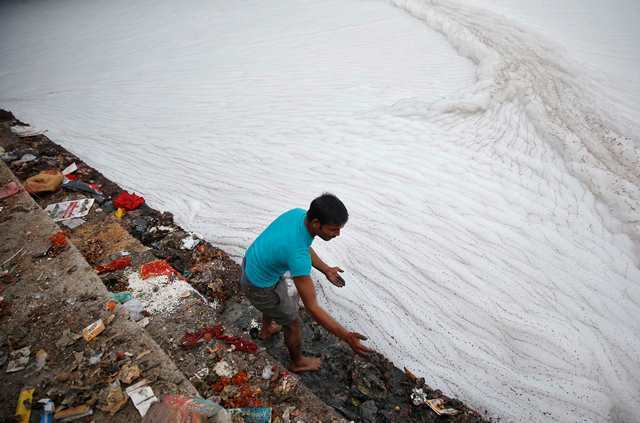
(362, 390)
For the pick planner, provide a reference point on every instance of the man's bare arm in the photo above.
(305, 288)
(332, 273)
(317, 261)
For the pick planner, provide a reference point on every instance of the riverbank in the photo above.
(370, 389)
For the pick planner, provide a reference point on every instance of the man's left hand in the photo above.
(333, 275)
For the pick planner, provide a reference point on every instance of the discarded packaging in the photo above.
(41, 359)
(438, 405)
(45, 181)
(252, 415)
(73, 413)
(93, 330)
(182, 409)
(18, 359)
(121, 297)
(117, 264)
(69, 209)
(95, 359)
(418, 396)
(190, 242)
(156, 268)
(70, 169)
(73, 223)
(79, 186)
(135, 309)
(267, 372)
(119, 213)
(127, 201)
(112, 398)
(128, 373)
(23, 409)
(48, 407)
(26, 158)
(142, 396)
(9, 189)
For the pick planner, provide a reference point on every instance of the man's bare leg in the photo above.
(269, 327)
(293, 340)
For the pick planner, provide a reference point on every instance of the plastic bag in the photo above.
(135, 309)
(45, 181)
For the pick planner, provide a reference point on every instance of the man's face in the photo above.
(327, 232)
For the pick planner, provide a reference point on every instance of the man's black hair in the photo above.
(328, 209)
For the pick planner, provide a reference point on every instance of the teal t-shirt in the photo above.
(283, 246)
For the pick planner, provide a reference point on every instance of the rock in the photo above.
(367, 381)
(368, 410)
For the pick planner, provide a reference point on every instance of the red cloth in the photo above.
(127, 201)
(191, 339)
(58, 240)
(156, 268)
(117, 264)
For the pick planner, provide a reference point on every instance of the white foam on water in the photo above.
(491, 182)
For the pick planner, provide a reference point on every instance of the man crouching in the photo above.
(285, 246)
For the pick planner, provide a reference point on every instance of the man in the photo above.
(285, 246)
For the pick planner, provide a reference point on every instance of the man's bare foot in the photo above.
(306, 364)
(266, 332)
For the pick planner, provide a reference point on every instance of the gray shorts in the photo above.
(274, 301)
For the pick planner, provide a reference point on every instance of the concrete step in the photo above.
(50, 299)
(70, 295)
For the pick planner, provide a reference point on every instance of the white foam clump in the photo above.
(565, 107)
(159, 294)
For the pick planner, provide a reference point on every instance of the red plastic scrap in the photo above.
(191, 339)
(211, 332)
(247, 396)
(221, 383)
(117, 264)
(240, 378)
(127, 201)
(156, 268)
(58, 240)
(243, 345)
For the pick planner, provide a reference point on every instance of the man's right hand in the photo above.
(353, 339)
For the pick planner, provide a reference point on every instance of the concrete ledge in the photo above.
(46, 296)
